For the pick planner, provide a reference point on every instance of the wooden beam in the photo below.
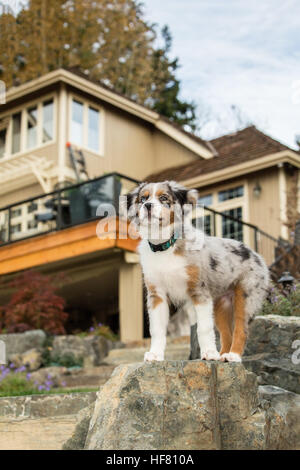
(56, 246)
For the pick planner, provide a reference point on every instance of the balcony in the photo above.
(61, 225)
(64, 208)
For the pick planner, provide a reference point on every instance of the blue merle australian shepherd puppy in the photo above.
(217, 281)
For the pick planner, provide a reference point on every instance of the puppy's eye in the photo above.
(144, 198)
(163, 199)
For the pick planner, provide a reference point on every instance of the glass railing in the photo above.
(66, 207)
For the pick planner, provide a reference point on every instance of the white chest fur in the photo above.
(166, 271)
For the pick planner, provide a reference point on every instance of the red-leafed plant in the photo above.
(34, 305)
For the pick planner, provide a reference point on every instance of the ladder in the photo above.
(78, 163)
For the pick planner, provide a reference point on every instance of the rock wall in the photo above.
(188, 405)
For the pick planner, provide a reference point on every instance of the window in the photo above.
(16, 133)
(77, 123)
(27, 129)
(32, 207)
(231, 228)
(2, 142)
(16, 213)
(32, 115)
(93, 129)
(16, 228)
(32, 224)
(231, 193)
(48, 121)
(206, 200)
(85, 125)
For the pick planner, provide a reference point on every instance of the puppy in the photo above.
(204, 275)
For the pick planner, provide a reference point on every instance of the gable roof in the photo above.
(79, 80)
(233, 149)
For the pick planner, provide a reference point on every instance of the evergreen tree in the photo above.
(108, 40)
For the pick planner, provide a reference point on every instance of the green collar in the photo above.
(163, 246)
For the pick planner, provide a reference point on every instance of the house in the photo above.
(67, 144)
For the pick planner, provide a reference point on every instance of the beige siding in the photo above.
(169, 153)
(265, 210)
(16, 196)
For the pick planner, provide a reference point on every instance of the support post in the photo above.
(131, 314)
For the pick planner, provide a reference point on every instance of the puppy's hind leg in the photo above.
(240, 327)
(223, 320)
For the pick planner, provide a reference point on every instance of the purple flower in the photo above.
(92, 328)
(63, 384)
(41, 387)
(100, 324)
(28, 376)
(12, 366)
(48, 383)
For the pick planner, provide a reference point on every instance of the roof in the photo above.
(232, 149)
(78, 79)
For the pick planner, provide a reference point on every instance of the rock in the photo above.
(55, 374)
(190, 405)
(18, 343)
(32, 359)
(273, 334)
(78, 438)
(178, 405)
(269, 350)
(88, 351)
(283, 417)
(128, 355)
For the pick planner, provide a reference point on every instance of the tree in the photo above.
(108, 40)
(34, 304)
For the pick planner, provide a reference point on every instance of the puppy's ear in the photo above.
(183, 195)
(128, 203)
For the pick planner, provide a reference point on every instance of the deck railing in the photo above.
(76, 204)
(63, 208)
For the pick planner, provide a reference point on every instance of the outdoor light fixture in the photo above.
(257, 189)
(287, 281)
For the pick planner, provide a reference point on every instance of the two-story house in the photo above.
(68, 144)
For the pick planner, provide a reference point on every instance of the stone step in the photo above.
(40, 422)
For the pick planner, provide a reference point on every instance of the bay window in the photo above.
(28, 128)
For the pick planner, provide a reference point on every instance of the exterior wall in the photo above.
(24, 193)
(129, 146)
(264, 211)
(168, 153)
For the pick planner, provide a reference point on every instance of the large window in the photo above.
(232, 228)
(85, 125)
(28, 128)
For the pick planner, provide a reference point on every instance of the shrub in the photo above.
(280, 304)
(98, 329)
(34, 305)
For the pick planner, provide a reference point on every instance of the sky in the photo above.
(241, 53)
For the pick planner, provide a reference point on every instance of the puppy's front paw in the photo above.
(231, 357)
(210, 355)
(151, 356)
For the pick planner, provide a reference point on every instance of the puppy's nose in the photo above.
(148, 206)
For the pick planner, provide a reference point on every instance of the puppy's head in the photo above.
(162, 204)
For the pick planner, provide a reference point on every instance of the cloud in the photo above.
(238, 52)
